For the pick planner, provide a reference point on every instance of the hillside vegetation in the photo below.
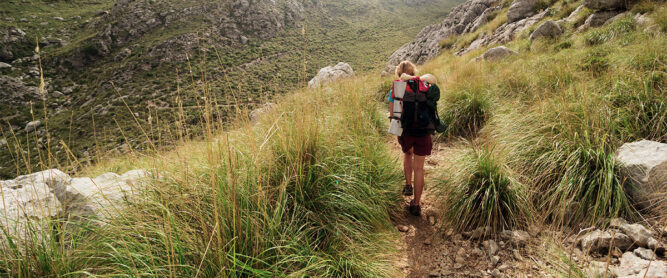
(311, 187)
(102, 57)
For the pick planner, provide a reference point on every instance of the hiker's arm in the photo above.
(391, 109)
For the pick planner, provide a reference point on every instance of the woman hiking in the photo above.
(416, 144)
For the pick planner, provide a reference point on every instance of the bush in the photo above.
(482, 193)
(595, 62)
(465, 112)
(562, 45)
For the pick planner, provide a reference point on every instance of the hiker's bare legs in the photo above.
(407, 166)
(418, 168)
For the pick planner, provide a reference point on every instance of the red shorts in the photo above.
(422, 145)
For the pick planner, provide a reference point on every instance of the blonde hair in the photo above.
(406, 67)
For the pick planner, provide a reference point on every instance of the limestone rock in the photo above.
(645, 164)
(505, 33)
(497, 53)
(639, 234)
(330, 74)
(599, 241)
(633, 266)
(256, 113)
(5, 65)
(464, 18)
(32, 126)
(575, 14)
(521, 9)
(516, 237)
(597, 19)
(604, 4)
(548, 29)
(491, 247)
(644, 253)
(38, 197)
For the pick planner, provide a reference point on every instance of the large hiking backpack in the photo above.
(417, 118)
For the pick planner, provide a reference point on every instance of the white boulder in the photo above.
(645, 164)
(32, 126)
(521, 9)
(497, 53)
(330, 74)
(32, 200)
(633, 266)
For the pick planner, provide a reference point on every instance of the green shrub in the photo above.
(595, 62)
(465, 112)
(643, 7)
(91, 50)
(482, 193)
(563, 45)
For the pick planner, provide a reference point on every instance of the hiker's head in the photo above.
(406, 67)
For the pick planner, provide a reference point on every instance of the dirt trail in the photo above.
(420, 244)
(430, 249)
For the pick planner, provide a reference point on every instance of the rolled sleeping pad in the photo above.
(395, 127)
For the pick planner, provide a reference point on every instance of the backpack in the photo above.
(418, 117)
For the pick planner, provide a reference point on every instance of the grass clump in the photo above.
(610, 32)
(595, 62)
(482, 193)
(465, 113)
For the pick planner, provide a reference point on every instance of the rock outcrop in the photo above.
(645, 164)
(12, 41)
(232, 22)
(639, 234)
(599, 241)
(256, 113)
(505, 33)
(521, 9)
(330, 74)
(464, 18)
(597, 19)
(497, 53)
(32, 200)
(548, 29)
(604, 4)
(32, 126)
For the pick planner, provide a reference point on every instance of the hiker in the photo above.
(415, 140)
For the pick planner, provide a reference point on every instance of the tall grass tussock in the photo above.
(306, 191)
(481, 192)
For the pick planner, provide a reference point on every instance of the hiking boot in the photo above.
(414, 209)
(407, 190)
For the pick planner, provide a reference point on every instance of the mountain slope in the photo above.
(122, 64)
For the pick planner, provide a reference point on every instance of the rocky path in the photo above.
(428, 248)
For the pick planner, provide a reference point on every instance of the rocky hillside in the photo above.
(110, 66)
(479, 23)
(553, 162)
